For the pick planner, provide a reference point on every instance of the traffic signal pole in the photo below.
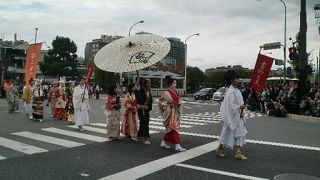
(303, 59)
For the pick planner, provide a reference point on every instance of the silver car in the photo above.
(219, 94)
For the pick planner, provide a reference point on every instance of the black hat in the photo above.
(230, 75)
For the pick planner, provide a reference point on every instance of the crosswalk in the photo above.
(25, 142)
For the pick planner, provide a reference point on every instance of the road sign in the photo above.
(275, 45)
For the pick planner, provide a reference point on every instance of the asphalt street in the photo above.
(54, 150)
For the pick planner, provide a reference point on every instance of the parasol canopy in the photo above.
(132, 53)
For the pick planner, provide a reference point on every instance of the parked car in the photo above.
(219, 94)
(204, 94)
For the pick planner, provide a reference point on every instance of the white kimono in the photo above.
(234, 131)
(81, 105)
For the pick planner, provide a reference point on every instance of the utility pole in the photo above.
(303, 59)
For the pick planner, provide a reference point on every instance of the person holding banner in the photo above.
(234, 131)
(27, 97)
(80, 101)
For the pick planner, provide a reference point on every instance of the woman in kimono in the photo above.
(130, 120)
(234, 132)
(60, 105)
(69, 109)
(13, 97)
(52, 98)
(80, 101)
(112, 112)
(170, 107)
(37, 103)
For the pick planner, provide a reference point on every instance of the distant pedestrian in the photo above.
(170, 107)
(97, 91)
(27, 97)
(234, 132)
(69, 109)
(37, 103)
(13, 97)
(129, 125)
(52, 98)
(112, 112)
(81, 104)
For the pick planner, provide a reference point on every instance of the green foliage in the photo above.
(61, 60)
(195, 78)
(104, 78)
(216, 79)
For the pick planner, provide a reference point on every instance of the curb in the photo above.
(304, 118)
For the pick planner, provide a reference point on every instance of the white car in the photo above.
(219, 94)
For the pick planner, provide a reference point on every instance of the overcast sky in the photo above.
(231, 31)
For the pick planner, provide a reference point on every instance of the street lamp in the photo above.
(135, 24)
(285, 41)
(185, 64)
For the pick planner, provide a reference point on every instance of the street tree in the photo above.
(61, 60)
(104, 78)
(195, 78)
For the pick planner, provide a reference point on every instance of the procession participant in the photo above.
(233, 133)
(129, 125)
(69, 109)
(27, 97)
(37, 103)
(52, 98)
(112, 112)
(81, 104)
(144, 100)
(13, 97)
(60, 105)
(170, 107)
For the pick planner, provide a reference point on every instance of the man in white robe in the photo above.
(234, 131)
(81, 104)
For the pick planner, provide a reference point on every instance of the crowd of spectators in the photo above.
(280, 99)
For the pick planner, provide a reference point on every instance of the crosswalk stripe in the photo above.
(160, 123)
(2, 158)
(196, 120)
(182, 122)
(104, 125)
(157, 127)
(75, 134)
(48, 139)
(21, 147)
(92, 129)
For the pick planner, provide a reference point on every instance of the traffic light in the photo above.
(293, 53)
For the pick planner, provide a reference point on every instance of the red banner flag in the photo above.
(32, 61)
(89, 73)
(261, 72)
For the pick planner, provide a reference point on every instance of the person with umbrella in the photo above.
(144, 105)
(170, 107)
(234, 131)
(80, 101)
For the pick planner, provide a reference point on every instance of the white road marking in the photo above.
(160, 123)
(92, 129)
(187, 107)
(48, 139)
(258, 142)
(182, 122)
(21, 147)
(225, 173)
(157, 165)
(2, 158)
(104, 125)
(75, 134)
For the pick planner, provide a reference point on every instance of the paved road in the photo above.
(53, 150)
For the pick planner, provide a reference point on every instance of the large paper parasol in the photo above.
(132, 53)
